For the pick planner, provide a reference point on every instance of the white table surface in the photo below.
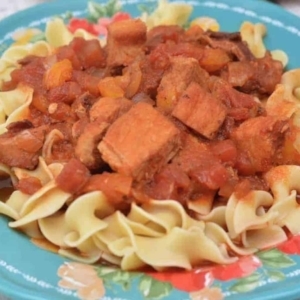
(8, 7)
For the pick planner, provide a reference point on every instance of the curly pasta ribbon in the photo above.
(253, 35)
(14, 106)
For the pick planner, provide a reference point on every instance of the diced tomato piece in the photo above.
(244, 267)
(87, 82)
(73, 176)
(244, 165)
(31, 74)
(89, 52)
(115, 186)
(29, 185)
(67, 92)
(226, 151)
(66, 52)
(61, 112)
(76, 23)
(170, 183)
(211, 176)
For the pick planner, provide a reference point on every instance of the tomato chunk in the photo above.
(115, 186)
(73, 176)
(226, 151)
(29, 185)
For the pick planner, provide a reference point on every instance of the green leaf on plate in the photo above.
(154, 289)
(115, 276)
(98, 10)
(275, 259)
(103, 271)
(275, 275)
(246, 284)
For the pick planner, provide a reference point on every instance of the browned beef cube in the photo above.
(199, 110)
(176, 79)
(109, 109)
(258, 141)
(140, 142)
(124, 42)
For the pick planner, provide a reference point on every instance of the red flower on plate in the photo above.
(291, 246)
(190, 281)
(244, 267)
(102, 24)
(77, 23)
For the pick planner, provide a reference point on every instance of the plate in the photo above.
(29, 272)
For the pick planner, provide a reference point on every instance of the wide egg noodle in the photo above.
(175, 243)
(54, 229)
(52, 137)
(43, 203)
(75, 255)
(65, 36)
(241, 213)
(284, 101)
(168, 14)
(83, 217)
(15, 105)
(162, 216)
(217, 234)
(9, 59)
(41, 172)
(13, 206)
(203, 205)
(264, 238)
(217, 216)
(253, 35)
(284, 184)
(181, 248)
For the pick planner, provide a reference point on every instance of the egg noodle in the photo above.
(160, 234)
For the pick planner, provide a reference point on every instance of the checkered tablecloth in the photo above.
(8, 7)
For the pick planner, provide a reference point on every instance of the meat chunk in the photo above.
(86, 147)
(104, 112)
(140, 142)
(89, 53)
(202, 166)
(230, 42)
(109, 109)
(240, 106)
(82, 105)
(200, 111)
(259, 140)
(163, 33)
(170, 183)
(67, 92)
(73, 177)
(124, 42)
(21, 149)
(176, 79)
(260, 76)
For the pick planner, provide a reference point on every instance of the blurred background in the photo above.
(8, 7)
